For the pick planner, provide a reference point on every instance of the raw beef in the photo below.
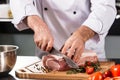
(88, 55)
(54, 62)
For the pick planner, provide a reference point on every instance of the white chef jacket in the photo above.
(63, 17)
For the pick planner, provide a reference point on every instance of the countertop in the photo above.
(21, 62)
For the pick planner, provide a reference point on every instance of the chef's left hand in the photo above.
(74, 46)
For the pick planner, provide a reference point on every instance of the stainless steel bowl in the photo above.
(7, 58)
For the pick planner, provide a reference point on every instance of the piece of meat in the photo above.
(54, 62)
(88, 55)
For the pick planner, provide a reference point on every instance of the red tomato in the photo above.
(108, 78)
(107, 74)
(96, 76)
(115, 70)
(89, 70)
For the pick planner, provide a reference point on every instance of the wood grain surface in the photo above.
(31, 72)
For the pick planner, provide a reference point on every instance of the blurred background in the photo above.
(24, 39)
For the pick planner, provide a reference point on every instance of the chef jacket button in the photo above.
(74, 12)
(45, 9)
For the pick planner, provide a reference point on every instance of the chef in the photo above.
(69, 25)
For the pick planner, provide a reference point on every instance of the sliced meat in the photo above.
(47, 58)
(54, 62)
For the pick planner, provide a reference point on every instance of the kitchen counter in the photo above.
(21, 62)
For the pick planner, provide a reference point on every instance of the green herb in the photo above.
(75, 71)
(82, 69)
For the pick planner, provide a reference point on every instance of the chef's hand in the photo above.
(42, 35)
(75, 44)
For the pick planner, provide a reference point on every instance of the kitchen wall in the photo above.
(112, 46)
(24, 41)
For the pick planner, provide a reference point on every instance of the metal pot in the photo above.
(7, 58)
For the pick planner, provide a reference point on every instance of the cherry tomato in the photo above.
(115, 70)
(89, 69)
(107, 74)
(96, 76)
(108, 78)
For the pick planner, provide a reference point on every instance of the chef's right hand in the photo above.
(42, 35)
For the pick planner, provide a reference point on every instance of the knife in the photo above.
(54, 51)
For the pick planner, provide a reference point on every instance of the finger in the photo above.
(37, 44)
(40, 44)
(77, 55)
(71, 51)
(43, 45)
(49, 46)
(65, 48)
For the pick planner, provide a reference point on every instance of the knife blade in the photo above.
(42, 53)
(69, 61)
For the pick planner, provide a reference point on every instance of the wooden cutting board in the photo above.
(31, 72)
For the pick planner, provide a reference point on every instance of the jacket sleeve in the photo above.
(20, 9)
(102, 16)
